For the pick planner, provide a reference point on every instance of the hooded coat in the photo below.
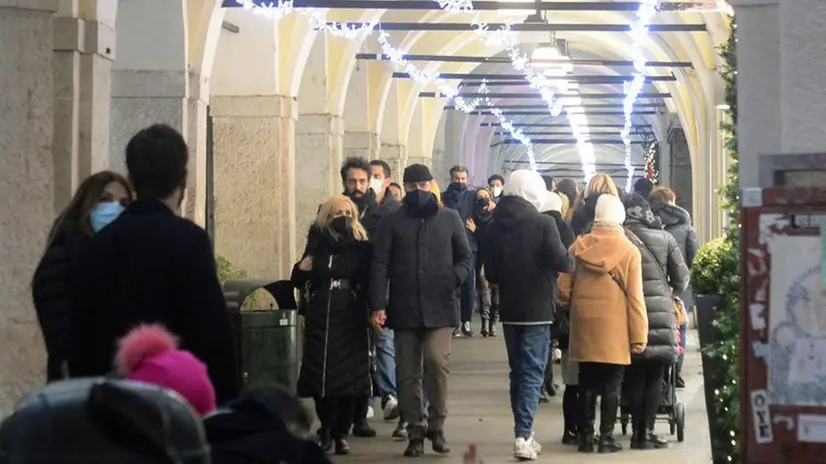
(677, 222)
(605, 297)
(660, 256)
(523, 256)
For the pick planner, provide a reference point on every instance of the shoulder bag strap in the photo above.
(641, 245)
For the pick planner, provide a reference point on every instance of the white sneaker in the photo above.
(370, 412)
(535, 445)
(391, 408)
(523, 450)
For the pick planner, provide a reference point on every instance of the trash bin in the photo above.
(269, 339)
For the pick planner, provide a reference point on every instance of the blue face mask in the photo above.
(103, 214)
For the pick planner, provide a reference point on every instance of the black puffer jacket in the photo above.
(425, 258)
(660, 256)
(677, 222)
(523, 256)
(54, 291)
(335, 356)
(584, 215)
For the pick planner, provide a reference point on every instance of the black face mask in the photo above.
(343, 225)
(483, 203)
(458, 186)
(418, 200)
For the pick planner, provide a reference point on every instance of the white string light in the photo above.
(278, 10)
(639, 33)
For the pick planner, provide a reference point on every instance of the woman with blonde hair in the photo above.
(335, 363)
(600, 184)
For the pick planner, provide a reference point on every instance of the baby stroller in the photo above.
(670, 410)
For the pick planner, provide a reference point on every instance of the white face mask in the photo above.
(377, 186)
(497, 191)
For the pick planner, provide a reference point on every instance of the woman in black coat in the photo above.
(488, 295)
(335, 367)
(97, 202)
(664, 274)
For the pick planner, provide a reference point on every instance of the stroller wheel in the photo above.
(680, 413)
(672, 421)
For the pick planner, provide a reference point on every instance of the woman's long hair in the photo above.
(438, 192)
(325, 216)
(88, 195)
(568, 188)
(601, 183)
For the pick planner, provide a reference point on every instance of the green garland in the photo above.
(724, 278)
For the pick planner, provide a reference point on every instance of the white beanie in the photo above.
(553, 202)
(528, 185)
(609, 210)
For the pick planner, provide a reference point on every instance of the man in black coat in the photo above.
(422, 251)
(460, 198)
(150, 265)
(523, 255)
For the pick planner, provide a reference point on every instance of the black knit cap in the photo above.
(416, 173)
(643, 186)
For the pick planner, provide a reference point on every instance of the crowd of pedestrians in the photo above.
(391, 273)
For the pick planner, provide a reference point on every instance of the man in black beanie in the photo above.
(422, 252)
(643, 186)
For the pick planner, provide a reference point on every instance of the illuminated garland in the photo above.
(639, 33)
(520, 61)
(278, 10)
(651, 172)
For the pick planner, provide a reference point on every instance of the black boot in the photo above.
(400, 432)
(437, 439)
(494, 319)
(607, 421)
(325, 439)
(587, 417)
(415, 445)
(342, 447)
(570, 408)
(485, 326)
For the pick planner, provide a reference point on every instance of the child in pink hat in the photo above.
(150, 354)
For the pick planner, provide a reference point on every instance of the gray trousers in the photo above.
(419, 351)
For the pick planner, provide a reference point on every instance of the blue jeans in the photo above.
(527, 347)
(386, 362)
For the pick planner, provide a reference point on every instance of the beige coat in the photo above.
(604, 321)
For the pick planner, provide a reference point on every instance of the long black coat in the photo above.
(659, 304)
(336, 352)
(523, 256)
(425, 259)
(151, 266)
(54, 290)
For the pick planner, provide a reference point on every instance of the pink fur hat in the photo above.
(150, 354)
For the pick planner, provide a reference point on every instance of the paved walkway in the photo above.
(480, 413)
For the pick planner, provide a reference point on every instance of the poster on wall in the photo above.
(797, 323)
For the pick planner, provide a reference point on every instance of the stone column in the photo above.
(95, 96)
(68, 45)
(364, 144)
(141, 98)
(396, 156)
(319, 142)
(760, 126)
(196, 109)
(26, 183)
(254, 180)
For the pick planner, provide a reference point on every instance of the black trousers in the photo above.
(605, 381)
(335, 414)
(645, 387)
